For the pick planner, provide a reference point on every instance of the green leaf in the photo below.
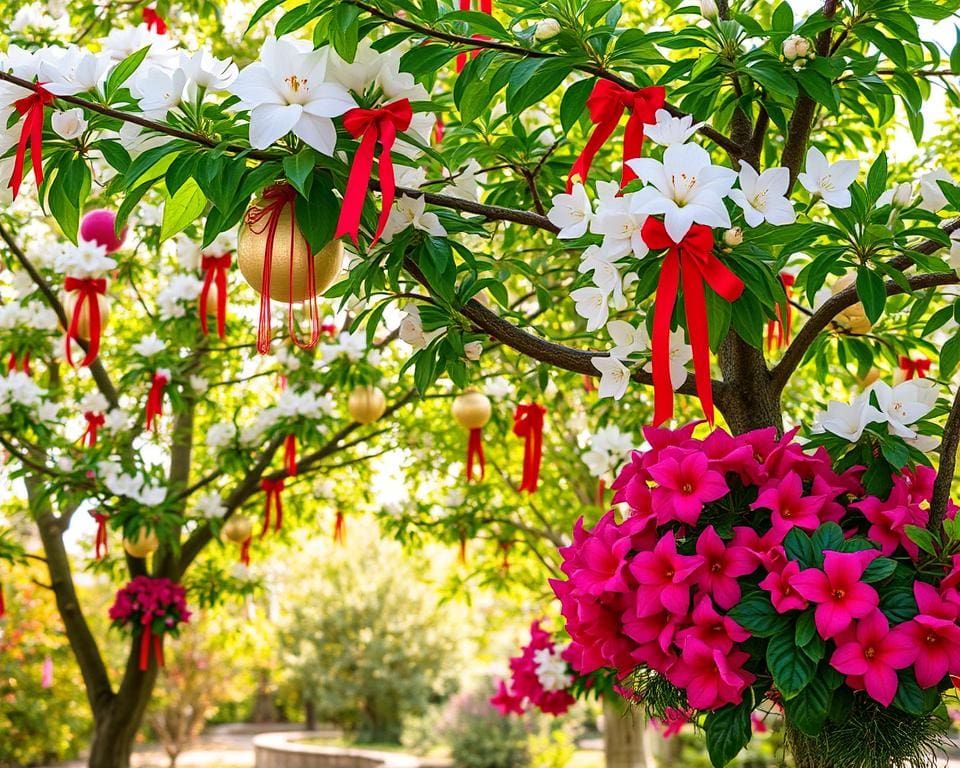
(922, 538)
(533, 80)
(783, 19)
(808, 709)
(345, 31)
(298, 169)
(574, 103)
(756, 614)
(799, 547)
(728, 731)
(877, 177)
(181, 210)
(898, 604)
(262, 11)
(828, 537)
(122, 72)
(791, 668)
(911, 698)
(950, 356)
(317, 218)
(872, 293)
(879, 569)
(806, 628)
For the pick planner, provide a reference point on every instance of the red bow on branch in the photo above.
(100, 542)
(155, 398)
(528, 423)
(94, 422)
(273, 490)
(606, 104)
(914, 367)
(31, 134)
(154, 21)
(692, 262)
(784, 319)
(23, 366)
(475, 454)
(215, 270)
(371, 126)
(146, 635)
(290, 454)
(89, 290)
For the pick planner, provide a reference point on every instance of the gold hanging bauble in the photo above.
(854, 318)
(252, 251)
(472, 410)
(237, 529)
(871, 376)
(366, 404)
(146, 543)
(211, 308)
(83, 322)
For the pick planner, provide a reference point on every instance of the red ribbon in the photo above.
(371, 126)
(339, 528)
(3, 605)
(277, 198)
(329, 330)
(272, 489)
(438, 131)
(94, 422)
(463, 549)
(155, 399)
(145, 637)
(782, 326)
(290, 454)
(89, 290)
(100, 542)
(154, 20)
(24, 364)
(475, 453)
(528, 423)
(606, 105)
(245, 551)
(215, 269)
(601, 493)
(692, 262)
(917, 367)
(31, 107)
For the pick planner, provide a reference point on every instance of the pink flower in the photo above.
(504, 702)
(767, 549)
(673, 723)
(711, 677)
(789, 507)
(722, 564)
(840, 595)
(934, 637)
(664, 577)
(875, 653)
(712, 629)
(684, 484)
(596, 561)
(782, 594)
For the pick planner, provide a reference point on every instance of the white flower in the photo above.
(905, 404)
(149, 345)
(954, 258)
(681, 353)
(174, 298)
(75, 71)
(68, 124)
(123, 484)
(410, 212)
(796, 47)
(597, 461)
(466, 184)
(709, 10)
(16, 388)
(473, 350)
(151, 495)
(85, 259)
(614, 377)
(899, 195)
(546, 28)
(411, 328)
(551, 670)
(618, 224)
(353, 345)
(733, 237)
(361, 73)
(208, 72)
(116, 421)
(670, 130)
(498, 387)
(136, 140)
(220, 435)
(121, 42)
(931, 196)
(287, 91)
(831, 181)
(627, 339)
(199, 384)
(763, 197)
(159, 91)
(848, 420)
(93, 402)
(591, 304)
(686, 188)
(606, 273)
(613, 441)
(210, 506)
(571, 213)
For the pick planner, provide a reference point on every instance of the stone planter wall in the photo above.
(287, 750)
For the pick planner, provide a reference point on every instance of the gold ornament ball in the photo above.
(237, 529)
(252, 251)
(871, 376)
(472, 410)
(211, 308)
(83, 321)
(853, 318)
(366, 404)
(146, 543)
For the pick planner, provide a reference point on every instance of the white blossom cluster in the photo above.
(608, 447)
(86, 259)
(131, 486)
(178, 295)
(551, 669)
(34, 315)
(17, 390)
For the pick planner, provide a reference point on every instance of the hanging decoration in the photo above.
(472, 411)
(606, 105)
(88, 310)
(22, 365)
(3, 605)
(854, 318)
(290, 455)
(146, 543)
(101, 539)
(602, 492)
(782, 325)
(914, 367)
(486, 6)
(276, 260)
(463, 547)
(528, 424)
(31, 136)
(366, 404)
(94, 422)
(154, 407)
(340, 528)
(371, 126)
(100, 226)
(273, 503)
(213, 295)
(692, 262)
(154, 21)
(239, 530)
(150, 608)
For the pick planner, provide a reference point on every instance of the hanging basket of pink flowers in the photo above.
(150, 608)
(747, 574)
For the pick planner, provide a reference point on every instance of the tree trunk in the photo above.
(749, 400)
(626, 738)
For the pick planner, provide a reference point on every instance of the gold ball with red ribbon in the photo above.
(83, 321)
(144, 544)
(366, 404)
(853, 318)
(472, 410)
(237, 529)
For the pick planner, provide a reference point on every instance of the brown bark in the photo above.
(626, 738)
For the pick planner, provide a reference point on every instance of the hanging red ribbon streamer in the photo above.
(245, 551)
(528, 423)
(89, 290)
(100, 542)
(154, 21)
(276, 198)
(23, 366)
(505, 546)
(155, 399)
(94, 422)
(438, 131)
(601, 493)
(272, 489)
(371, 126)
(781, 325)
(606, 104)
(462, 57)
(339, 528)
(215, 273)
(463, 549)
(914, 367)
(691, 261)
(3, 605)
(290, 455)
(475, 454)
(31, 134)
(146, 635)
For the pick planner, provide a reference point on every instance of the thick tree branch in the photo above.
(948, 464)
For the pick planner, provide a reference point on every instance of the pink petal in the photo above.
(812, 584)
(831, 620)
(881, 683)
(849, 660)
(931, 666)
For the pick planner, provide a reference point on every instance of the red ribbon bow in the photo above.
(154, 20)
(100, 542)
(146, 635)
(88, 289)
(272, 489)
(215, 273)
(23, 365)
(155, 399)
(94, 422)
(475, 454)
(371, 126)
(692, 261)
(528, 423)
(276, 198)
(917, 367)
(31, 107)
(329, 330)
(782, 325)
(606, 105)
(290, 454)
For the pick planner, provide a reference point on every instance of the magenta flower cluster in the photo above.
(540, 676)
(158, 603)
(748, 568)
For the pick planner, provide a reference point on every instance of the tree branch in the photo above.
(948, 464)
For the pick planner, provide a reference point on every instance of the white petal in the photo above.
(319, 132)
(329, 100)
(269, 122)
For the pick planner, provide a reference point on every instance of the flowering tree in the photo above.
(476, 162)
